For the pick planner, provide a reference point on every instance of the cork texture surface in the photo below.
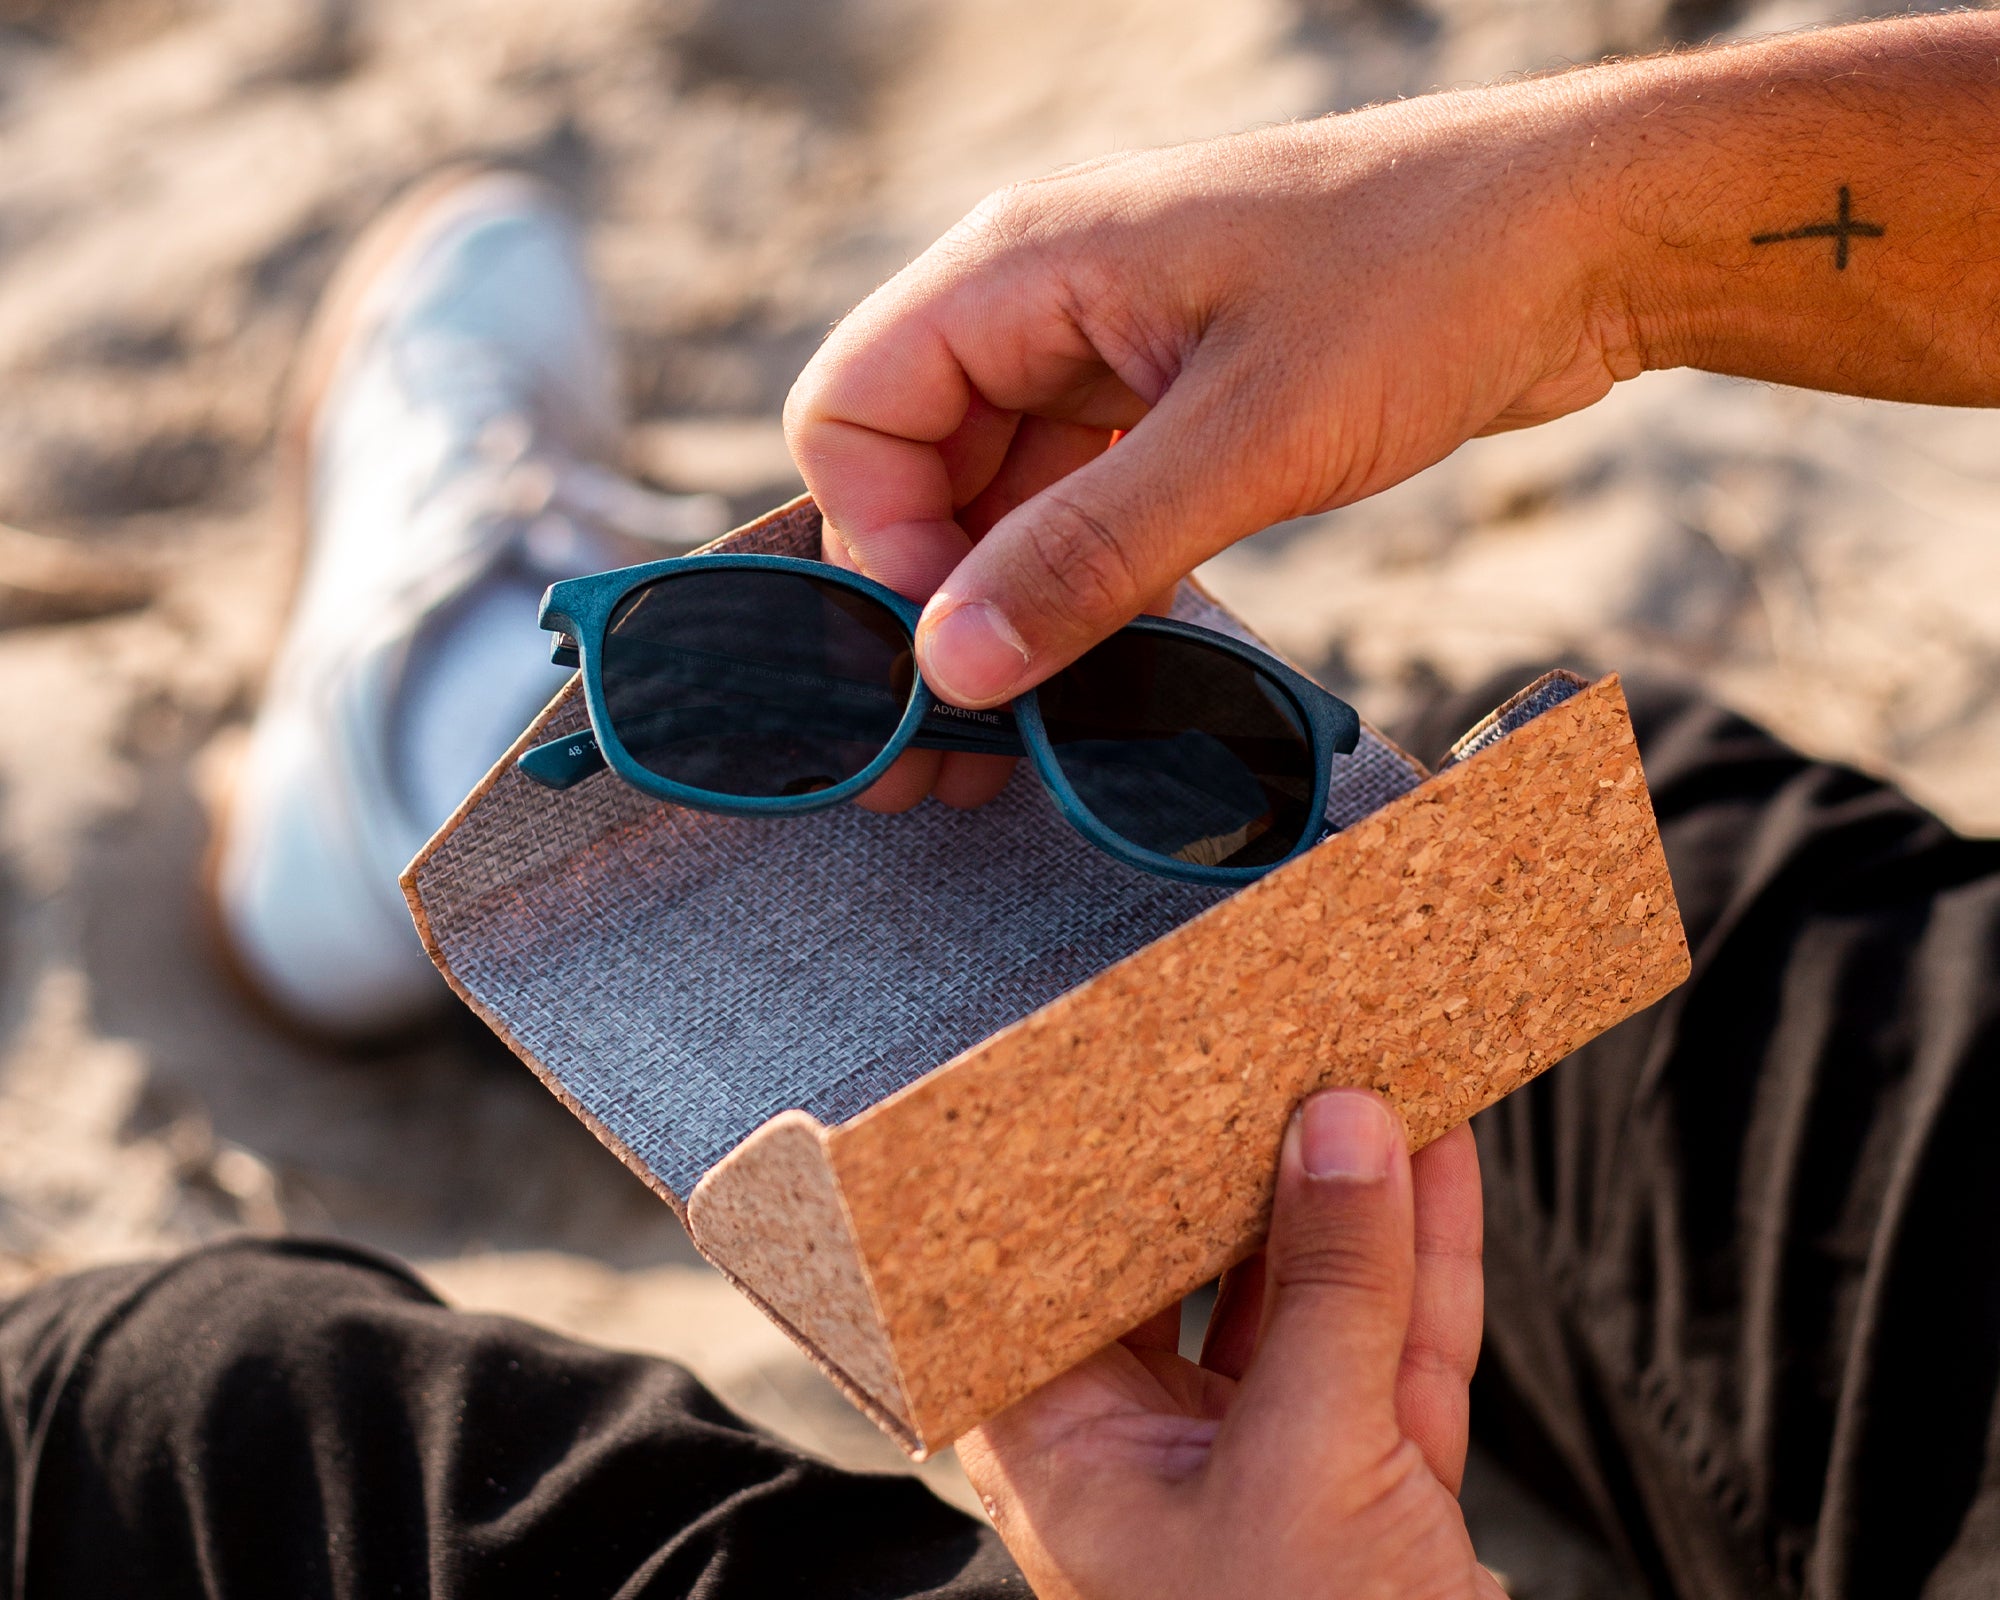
(942, 1240)
(772, 1211)
(1078, 1171)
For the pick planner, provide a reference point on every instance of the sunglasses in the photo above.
(765, 686)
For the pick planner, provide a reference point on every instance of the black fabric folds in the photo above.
(304, 1420)
(1743, 1305)
(1743, 1264)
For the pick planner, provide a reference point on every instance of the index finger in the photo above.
(868, 447)
(938, 366)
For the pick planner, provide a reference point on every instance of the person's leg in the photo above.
(263, 1419)
(449, 453)
(1742, 1271)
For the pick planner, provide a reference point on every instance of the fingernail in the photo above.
(1346, 1133)
(972, 654)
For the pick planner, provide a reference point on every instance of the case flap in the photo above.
(770, 1215)
(1069, 1177)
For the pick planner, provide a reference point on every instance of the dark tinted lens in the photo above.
(754, 683)
(1183, 749)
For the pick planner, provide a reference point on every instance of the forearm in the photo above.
(1289, 320)
(1714, 183)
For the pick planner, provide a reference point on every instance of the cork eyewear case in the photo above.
(954, 1128)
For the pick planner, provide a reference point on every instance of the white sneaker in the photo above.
(456, 407)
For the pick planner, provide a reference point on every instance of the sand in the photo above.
(178, 178)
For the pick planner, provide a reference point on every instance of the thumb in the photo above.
(1079, 560)
(1340, 1264)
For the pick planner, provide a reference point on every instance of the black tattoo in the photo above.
(1840, 230)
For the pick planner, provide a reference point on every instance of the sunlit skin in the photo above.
(1280, 323)
(1318, 1446)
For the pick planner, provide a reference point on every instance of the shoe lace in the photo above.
(552, 499)
(539, 512)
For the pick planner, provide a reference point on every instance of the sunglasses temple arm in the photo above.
(563, 763)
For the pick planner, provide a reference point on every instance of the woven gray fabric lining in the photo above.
(685, 977)
(1545, 693)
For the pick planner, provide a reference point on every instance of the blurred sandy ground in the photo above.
(177, 178)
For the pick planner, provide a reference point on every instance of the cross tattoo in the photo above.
(1840, 230)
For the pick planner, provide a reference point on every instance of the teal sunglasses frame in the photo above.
(579, 610)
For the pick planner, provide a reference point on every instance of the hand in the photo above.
(1285, 321)
(1317, 1450)
(1292, 319)
(1282, 321)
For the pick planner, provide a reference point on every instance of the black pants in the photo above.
(1744, 1280)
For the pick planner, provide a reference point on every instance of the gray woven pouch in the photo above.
(680, 978)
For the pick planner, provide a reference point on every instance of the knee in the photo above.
(165, 1329)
